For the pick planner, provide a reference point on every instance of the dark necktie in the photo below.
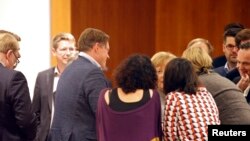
(248, 97)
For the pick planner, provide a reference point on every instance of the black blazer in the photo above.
(42, 102)
(17, 122)
(219, 61)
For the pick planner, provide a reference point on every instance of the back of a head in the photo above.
(135, 72)
(8, 42)
(180, 76)
(242, 36)
(162, 58)
(199, 41)
(200, 59)
(89, 37)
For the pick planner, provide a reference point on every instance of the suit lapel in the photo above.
(50, 82)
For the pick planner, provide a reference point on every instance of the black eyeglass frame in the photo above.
(17, 60)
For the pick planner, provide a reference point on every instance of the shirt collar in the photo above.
(56, 72)
(226, 67)
(91, 59)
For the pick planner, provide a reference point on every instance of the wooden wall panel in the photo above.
(130, 24)
(179, 21)
(147, 26)
(60, 19)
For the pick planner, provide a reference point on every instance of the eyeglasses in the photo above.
(17, 60)
(231, 47)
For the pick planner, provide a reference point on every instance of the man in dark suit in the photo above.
(17, 122)
(78, 89)
(230, 49)
(63, 48)
(243, 65)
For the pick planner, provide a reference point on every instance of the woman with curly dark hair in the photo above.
(132, 111)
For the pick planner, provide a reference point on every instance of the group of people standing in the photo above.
(164, 97)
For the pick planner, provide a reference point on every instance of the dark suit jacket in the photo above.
(77, 94)
(231, 75)
(17, 122)
(42, 102)
(219, 61)
(221, 70)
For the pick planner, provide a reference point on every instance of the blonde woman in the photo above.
(203, 43)
(232, 105)
(160, 60)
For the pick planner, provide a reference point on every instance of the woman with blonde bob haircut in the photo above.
(232, 105)
(160, 60)
(200, 59)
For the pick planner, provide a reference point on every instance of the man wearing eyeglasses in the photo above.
(17, 122)
(63, 48)
(230, 50)
(79, 88)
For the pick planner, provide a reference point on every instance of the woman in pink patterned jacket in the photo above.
(190, 108)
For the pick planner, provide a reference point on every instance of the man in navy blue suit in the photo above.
(78, 89)
(230, 49)
(17, 122)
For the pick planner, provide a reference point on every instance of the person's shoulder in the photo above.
(219, 69)
(219, 61)
(9, 72)
(233, 74)
(46, 71)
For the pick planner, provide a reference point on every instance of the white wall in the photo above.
(30, 19)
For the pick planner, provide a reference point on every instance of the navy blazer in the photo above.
(17, 122)
(231, 75)
(77, 94)
(42, 102)
(221, 70)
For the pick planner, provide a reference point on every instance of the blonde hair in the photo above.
(62, 36)
(8, 42)
(200, 59)
(201, 40)
(11, 33)
(162, 58)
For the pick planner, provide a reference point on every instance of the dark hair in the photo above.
(136, 72)
(245, 46)
(89, 37)
(230, 30)
(180, 76)
(233, 25)
(243, 35)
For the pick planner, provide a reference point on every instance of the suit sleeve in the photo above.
(21, 105)
(36, 102)
(94, 84)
